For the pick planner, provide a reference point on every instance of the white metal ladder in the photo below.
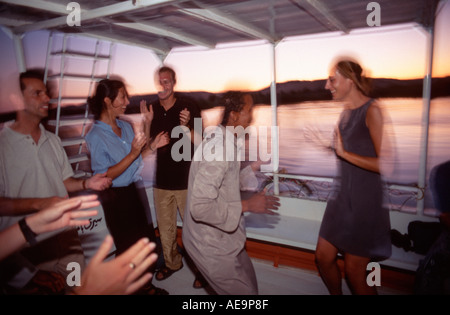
(71, 142)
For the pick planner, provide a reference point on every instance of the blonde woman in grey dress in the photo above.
(355, 223)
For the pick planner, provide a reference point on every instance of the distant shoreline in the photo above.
(292, 92)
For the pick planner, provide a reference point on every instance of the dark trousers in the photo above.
(126, 211)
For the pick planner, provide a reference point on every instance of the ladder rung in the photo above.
(72, 141)
(69, 99)
(69, 121)
(80, 55)
(78, 158)
(76, 77)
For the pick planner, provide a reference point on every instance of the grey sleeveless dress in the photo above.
(355, 221)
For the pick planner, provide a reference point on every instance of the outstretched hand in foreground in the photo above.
(125, 274)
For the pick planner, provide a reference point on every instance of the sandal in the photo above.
(150, 289)
(157, 291)
(165, 273)
(199, 282)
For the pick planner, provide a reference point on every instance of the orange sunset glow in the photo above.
(385, 52)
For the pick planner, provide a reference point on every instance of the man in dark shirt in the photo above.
(172, 168)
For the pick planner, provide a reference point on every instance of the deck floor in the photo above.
(272, 280)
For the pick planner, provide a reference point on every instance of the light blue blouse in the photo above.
(107, 149)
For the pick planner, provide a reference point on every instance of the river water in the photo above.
(299, 124)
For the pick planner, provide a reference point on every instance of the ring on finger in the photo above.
(132, 265)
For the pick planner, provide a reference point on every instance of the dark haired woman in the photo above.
(116, 150)
(354, 224)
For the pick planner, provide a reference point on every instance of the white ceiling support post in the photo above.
(274, 132)
(162, 58)
(426, 95)
(123, 40)
(226, 20)
(87, 14)
(60, 84)
(20, 55)
(166, 32)
(108, 71)
(40, 4)
(47, 58)
(113, 9)
(319, 9)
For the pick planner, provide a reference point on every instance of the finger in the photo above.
(103, 251)
(142, 143)
(140, 139)
(83, 214)
(68, 204)
(88, 198)
(138, 284)
(128, 255)
(142, 266)
(272, 205)
(79, 222)
(78, 203)
(141, 255)
(270, 212)
(90, 204)
(273, 199)
(272, 208)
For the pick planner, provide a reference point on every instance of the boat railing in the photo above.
(405, 194)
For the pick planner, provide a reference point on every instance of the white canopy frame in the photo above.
(216, 16)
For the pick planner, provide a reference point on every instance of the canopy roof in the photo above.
(163, 25)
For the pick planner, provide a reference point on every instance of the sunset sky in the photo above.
(389, 52)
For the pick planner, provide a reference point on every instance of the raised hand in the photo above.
(138, 143)
(315, 136)
(261, 203)
(64, 213)
(146, 112)
(160, 140)
(185, 116)
(125, 274)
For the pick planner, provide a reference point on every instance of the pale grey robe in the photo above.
(214, 228)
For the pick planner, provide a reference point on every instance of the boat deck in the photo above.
(282, 280)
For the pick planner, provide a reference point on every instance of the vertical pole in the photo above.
(47, 58)
(61, 83)
(20, 56)
(425, 120)
(274, 133)
(108, 73)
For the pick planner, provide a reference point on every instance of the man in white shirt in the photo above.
(35, 173)
(214, 227)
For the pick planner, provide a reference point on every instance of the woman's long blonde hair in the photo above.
(353, 71)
